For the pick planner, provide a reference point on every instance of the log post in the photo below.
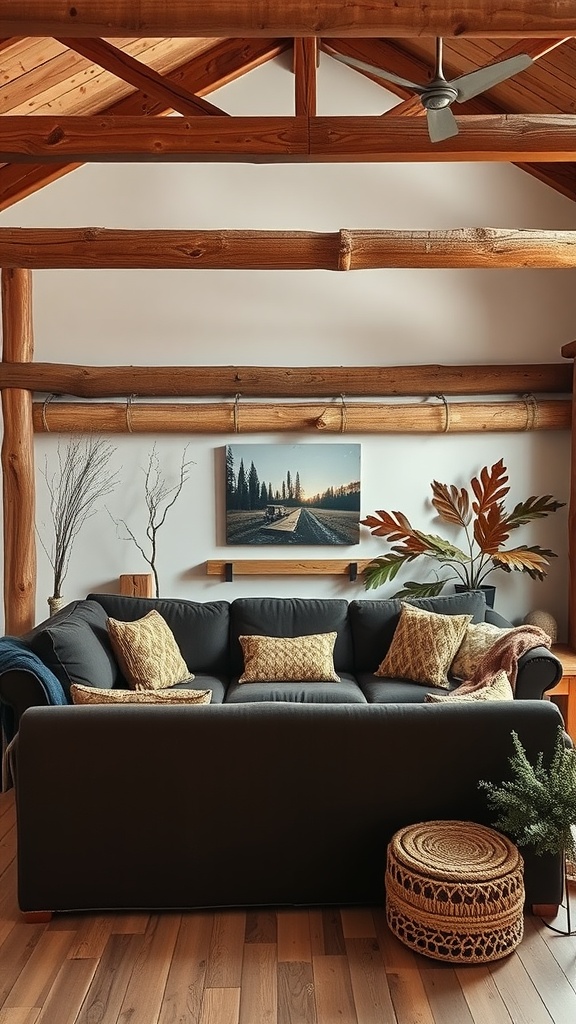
(18, 458)
(572, 527)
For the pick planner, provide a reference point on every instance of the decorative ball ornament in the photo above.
(544, 621)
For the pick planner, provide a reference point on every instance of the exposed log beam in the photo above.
(319, 418)
(511, 137)
(100, 138)
(207, 71)
(286, 381)
(305, 62)
(133, 71)
(497, 137)
(111, 18)
(491, 248)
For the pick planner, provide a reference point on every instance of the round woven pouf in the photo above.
(455, 891)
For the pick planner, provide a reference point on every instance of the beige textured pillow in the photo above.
(298, 658)
(478, 639)
(95, 695)
(498, 689)
(147, 652)
(423, 646)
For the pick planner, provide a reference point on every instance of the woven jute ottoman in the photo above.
(455, 891)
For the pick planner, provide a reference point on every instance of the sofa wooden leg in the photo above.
(545, 909)
(37, 916)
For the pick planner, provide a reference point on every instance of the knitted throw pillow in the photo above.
(96, 695)
(423, 646)
(147, 651)
(301, 658)
(478, 639)
(498, 689)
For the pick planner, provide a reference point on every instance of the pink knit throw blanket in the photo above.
(503, 656)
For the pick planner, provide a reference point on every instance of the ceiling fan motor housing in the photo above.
(438, 97)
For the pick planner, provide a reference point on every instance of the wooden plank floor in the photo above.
(259, 966)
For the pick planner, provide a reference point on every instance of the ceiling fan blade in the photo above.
(441, 124)
(387, 76)
(475, 82)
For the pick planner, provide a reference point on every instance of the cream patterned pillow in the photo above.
(96, 695)
(297, 658)
(147, 652)
(423, 646)
(478, 639)
(498, 689)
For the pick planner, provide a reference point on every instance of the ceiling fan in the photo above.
(439, 94)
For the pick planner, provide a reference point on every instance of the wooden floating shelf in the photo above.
(228, 568)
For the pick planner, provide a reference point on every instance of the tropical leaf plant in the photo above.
(481, 514)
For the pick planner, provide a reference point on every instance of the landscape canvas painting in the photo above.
(292, 494)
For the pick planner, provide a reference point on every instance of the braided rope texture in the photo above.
(455, 891)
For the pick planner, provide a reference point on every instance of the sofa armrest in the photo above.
(495, 619)
(19, 690)
(538, 670)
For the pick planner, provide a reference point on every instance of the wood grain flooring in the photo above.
(260, 966)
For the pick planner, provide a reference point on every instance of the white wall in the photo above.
(303, 318)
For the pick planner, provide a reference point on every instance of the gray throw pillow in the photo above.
(76, 647)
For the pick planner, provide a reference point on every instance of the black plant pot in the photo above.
(489, 592)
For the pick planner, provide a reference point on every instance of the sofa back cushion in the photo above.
(76, 647)
(200, 627)
(288, 617)
(373, 623)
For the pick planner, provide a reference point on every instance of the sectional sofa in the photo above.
(75, 646)
(275, 793)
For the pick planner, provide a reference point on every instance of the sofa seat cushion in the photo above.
(346, 691)
(76, 647)
(395, 691)
(204, 681)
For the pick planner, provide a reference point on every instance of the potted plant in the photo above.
(486, 524)
(537, 806)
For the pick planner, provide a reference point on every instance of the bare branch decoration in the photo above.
(159, 496)
(82, 479)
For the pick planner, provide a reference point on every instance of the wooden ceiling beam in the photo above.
(305, 64)
(507, 137)
(207, 71)
(286, 381)
(111, 18)
(133, 71)
(98, 248)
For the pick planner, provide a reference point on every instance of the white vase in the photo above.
(55, 604)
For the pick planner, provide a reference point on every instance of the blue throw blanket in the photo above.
(15, 654)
